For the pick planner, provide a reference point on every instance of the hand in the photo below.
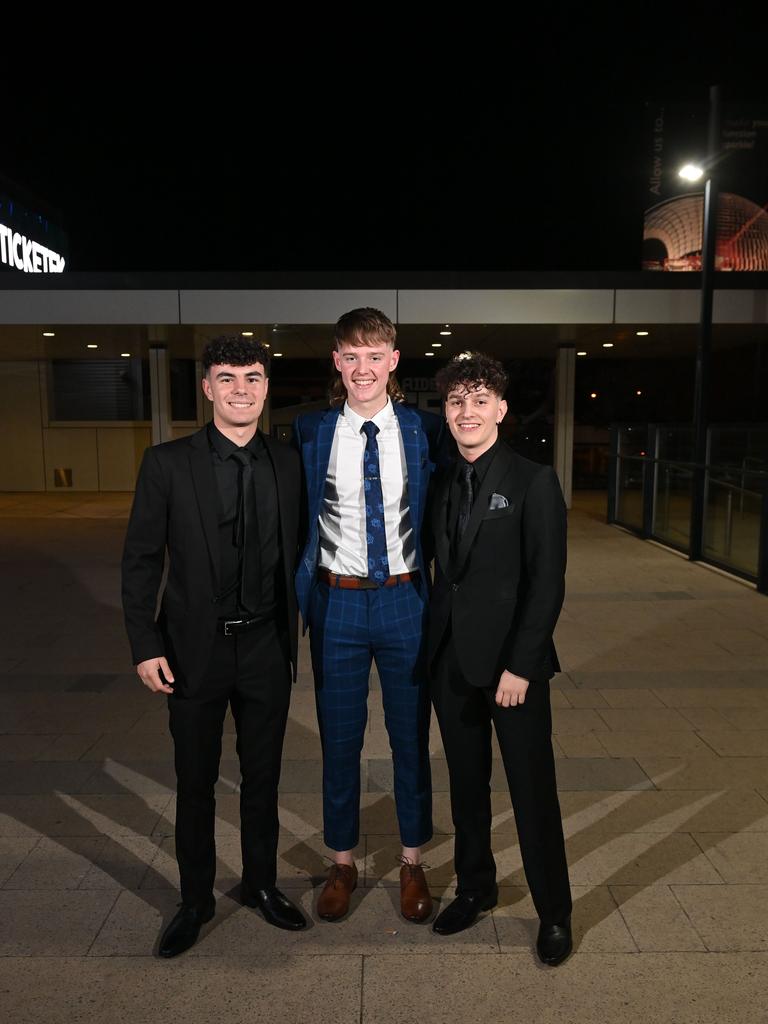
(511, 690)
(149, 673)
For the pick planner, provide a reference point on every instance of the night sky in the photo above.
(448, 172)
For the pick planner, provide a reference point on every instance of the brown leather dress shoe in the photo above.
(415, 899)
(334, 899)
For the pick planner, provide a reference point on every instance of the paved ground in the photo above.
(661, 729)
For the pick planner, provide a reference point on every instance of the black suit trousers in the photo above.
(249, 672)
(465, 714)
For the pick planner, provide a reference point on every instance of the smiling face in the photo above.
(474, 415)
(365, 370)
(238, 394)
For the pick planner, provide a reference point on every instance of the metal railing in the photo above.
(650, 491)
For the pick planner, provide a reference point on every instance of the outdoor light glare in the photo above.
(642, 334)
(691, 172)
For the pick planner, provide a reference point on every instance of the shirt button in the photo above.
(454, 586)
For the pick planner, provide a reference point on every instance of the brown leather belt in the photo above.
(333, 579)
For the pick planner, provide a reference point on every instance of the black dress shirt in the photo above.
(227, 473)
(480, 466)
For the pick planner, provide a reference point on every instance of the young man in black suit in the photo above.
(223, 504)
(500, 538)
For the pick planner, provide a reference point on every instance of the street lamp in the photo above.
(694, 172)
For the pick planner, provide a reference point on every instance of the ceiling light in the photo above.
(446, 334)
(267, 345)
(607, 344)
(642, 334)
(429, 353)
(125, 355)
(247, 334)
(437, 344)
(593, 394)
(277, 354)
(92, 346)
(581, 353)
(48, 334)
(638, 392)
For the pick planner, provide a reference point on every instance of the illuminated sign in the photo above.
(22, 253)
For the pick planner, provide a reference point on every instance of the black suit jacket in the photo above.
(502, 594)
(175, 508)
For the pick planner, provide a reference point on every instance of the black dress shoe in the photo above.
(554, 943)
(276, 908)
(184, 929)
(463, 912)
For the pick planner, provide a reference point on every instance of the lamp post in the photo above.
(704, 345)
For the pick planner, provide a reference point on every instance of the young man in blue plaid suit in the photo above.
(362, 591)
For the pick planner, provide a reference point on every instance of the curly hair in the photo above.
(470, 371)
(230, 350)
(363, 326)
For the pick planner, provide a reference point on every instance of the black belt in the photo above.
(231, 627)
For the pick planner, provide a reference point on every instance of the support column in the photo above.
(160, 391)
(565, 390)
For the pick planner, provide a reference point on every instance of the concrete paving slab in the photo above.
(728, 917)
(666, 811)
(18, 778)
(641, 698)
(51, 923)
(586, 745)
(726, 696)
(593, 773)
(70, 815)
(656, 719)
(142, 990)
(590, 988)
(637, 858)
(736, 743)
(710, 772)
(737, 858)
(654, 744)
(12, 853)
(596, 922)
(655, 919)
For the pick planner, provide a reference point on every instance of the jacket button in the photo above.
(454, 586)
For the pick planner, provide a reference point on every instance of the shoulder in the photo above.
(283, 456)
(306, 424)
(533, 477)
(171, 451)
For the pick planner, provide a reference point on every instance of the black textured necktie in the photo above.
(247, 534)
(466, 497)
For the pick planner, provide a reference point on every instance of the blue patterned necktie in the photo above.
(378, 563)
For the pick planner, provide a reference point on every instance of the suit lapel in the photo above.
(325, 432)
(440, 522)
(204, 482)
(411, 434)
(493, 476)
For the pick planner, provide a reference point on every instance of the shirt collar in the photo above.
(481, 464)
(381, 419)
(224, 447)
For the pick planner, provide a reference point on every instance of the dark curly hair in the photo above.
(230, 350)
(470, 371)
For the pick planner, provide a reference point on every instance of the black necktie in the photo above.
(466, 497)
(247, 534)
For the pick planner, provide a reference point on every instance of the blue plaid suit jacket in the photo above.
(424, 438)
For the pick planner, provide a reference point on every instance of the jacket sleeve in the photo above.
(143, 560)
(543, 585)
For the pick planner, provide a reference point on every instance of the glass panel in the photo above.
(629, 499)
(99, 389)
(675, 444)
(732, 525)
(632, 440)
(672, 505)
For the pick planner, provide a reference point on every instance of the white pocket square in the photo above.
(497, 501)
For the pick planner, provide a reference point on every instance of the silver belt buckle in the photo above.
(231, 622)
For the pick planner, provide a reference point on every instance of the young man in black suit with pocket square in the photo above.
(499, 529)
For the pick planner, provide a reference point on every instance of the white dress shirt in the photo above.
(343, 545)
